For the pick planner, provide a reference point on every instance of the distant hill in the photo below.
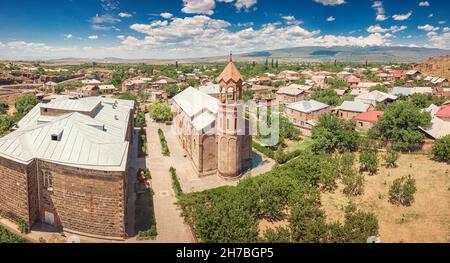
(298, 54)
(435, 66)
(352, 54)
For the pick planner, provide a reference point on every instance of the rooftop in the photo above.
(73, 139)
(370, 116)
(307, 106)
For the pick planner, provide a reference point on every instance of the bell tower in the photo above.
(232, 141)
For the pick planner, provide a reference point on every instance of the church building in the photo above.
(213, 131)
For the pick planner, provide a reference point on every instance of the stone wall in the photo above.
(87, 201)
(13, 190)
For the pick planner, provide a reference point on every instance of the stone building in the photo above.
(213, 131)
(66, 165)
(305, 114)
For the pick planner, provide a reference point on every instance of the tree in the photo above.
(381, 88)
(402, 191)
(278, 83)
(391, 158)
(353, 183)
(127, 96)
(5, 123)
(328, 96)
(248, 95)
(4, 107)
(24, 104)
(171, 90)
(399, 125)
(441, 149)
(333, 134)
(421, 101)
(59, 89)
(368, 157)
(359, 225)
(161, 112)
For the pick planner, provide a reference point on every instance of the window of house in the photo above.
(45, 110)
(54, 137)
(361, 123)
(48, 180)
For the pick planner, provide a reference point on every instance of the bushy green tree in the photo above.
(368, 157)
(170, 89)
(5, 123)
(399, 125)
(441, 149)
(333, 133)
(390, 157)
(402, 190)
(161, 112)
(381, 88)
(4, 107)
(24, 104)
(328, 96)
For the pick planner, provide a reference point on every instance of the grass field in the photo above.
(426, 220)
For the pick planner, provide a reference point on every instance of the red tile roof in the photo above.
(231, 73)
(370, 116)
(443, 111)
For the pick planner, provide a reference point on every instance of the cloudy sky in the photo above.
(44, 29)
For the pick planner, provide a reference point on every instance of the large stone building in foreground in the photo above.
(213, 131)
(66, 165)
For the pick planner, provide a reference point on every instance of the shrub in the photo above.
(164, 147)
(175, 182)
(139, 120)
(142, 144)
(7, 236)
(441, 149)
(391, 158)
(354, 183)
(402, 191)
(24, 228)
(264, 150)
(147, 234)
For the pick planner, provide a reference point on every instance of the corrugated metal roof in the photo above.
(307, 106)
(82, 141)
(354, 106)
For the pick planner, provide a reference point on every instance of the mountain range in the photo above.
(380, 54)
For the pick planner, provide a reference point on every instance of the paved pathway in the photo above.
(169, 222)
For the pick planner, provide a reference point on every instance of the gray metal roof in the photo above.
(87, 142)
(354, 106)
(307, 106)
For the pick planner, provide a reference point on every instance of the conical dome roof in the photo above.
(231, 73)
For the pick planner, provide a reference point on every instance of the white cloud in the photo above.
(106, 18)
(247, 24)
(439, 40)
(166, 15)
(378, 6)
(242, 4)
(378, 29)
(424, 3)
(206, 7)
(125, 15)
(331, 19)
(442, 22)
(291, 20)
(430, 15)
(93, 37)
(428, 27)
(330, 2)
(446, 29)
(68, 36)
(402, 17)
(199, 7)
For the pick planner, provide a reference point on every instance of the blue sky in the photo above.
(192, 28)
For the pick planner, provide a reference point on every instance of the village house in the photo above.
(437, 82)
(289, 75)
(413, 75)
(375, 98)
(262, 91)
(305, 114)
(366, 120)
(264, 80)
(212, 131)
(107, 89)
(134, 84)
(441, 92)
(440, 125)
(343, 75)
(90, 90)
(290, 94)
(320, 81)
(349, 109)
(66, 165)
(407, 91)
